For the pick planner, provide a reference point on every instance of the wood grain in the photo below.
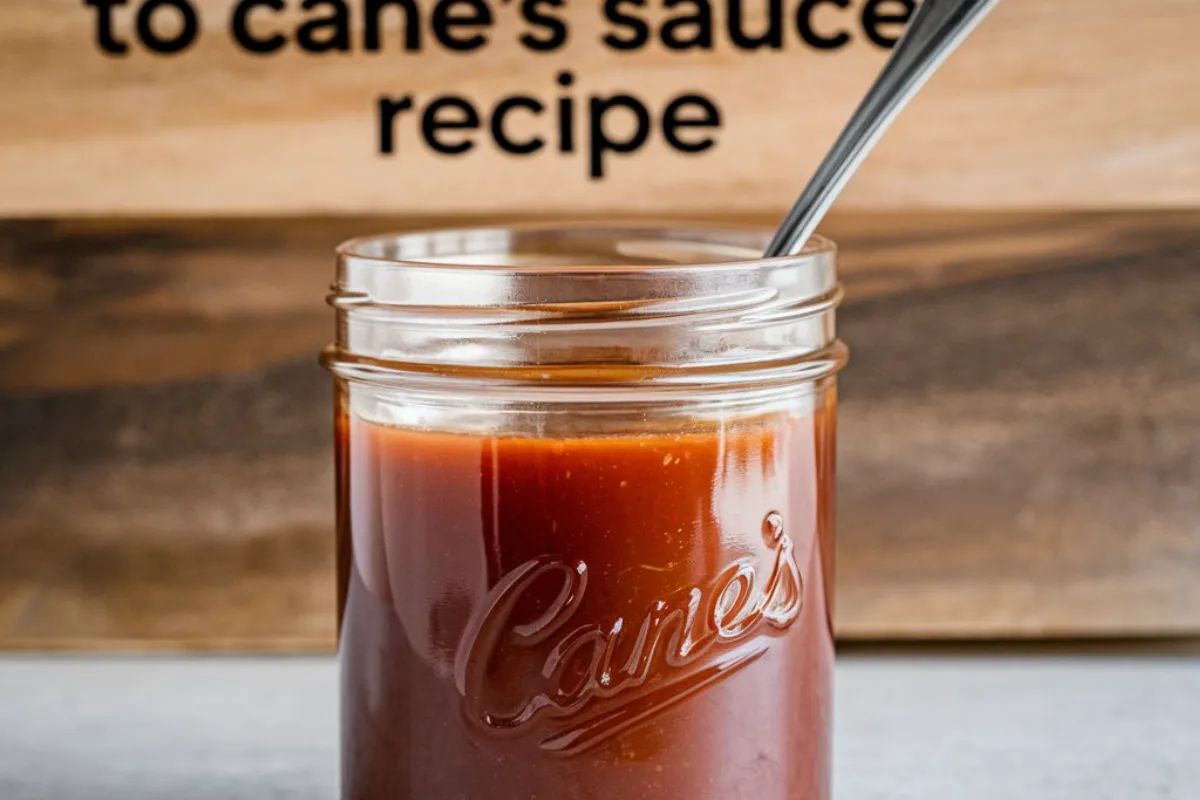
(1071, 103)
(1020, 439)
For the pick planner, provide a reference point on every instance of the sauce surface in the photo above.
(642, 616)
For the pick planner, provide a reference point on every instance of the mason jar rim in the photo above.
(681, 232)
(550, 310)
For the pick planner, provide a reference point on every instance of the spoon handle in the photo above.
(934, 32)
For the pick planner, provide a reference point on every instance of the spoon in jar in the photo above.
(937, 28)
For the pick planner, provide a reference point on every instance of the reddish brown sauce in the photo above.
(618, 618)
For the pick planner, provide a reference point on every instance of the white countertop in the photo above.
(919, 728)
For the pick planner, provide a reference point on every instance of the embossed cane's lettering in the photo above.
(681, 644)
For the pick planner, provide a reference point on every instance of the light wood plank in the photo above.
(1072, 103)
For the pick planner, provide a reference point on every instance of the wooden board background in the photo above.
(1054, 103)
(1020, 439)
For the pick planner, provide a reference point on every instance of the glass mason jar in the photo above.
(585, 492)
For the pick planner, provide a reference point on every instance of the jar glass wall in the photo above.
(586, 481)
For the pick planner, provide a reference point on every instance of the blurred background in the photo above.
(1020, 440)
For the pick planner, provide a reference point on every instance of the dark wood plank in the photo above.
(1021, 455)
(1020, 448)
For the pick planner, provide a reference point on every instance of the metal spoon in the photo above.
(936, 29)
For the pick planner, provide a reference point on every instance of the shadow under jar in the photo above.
(586, 493)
